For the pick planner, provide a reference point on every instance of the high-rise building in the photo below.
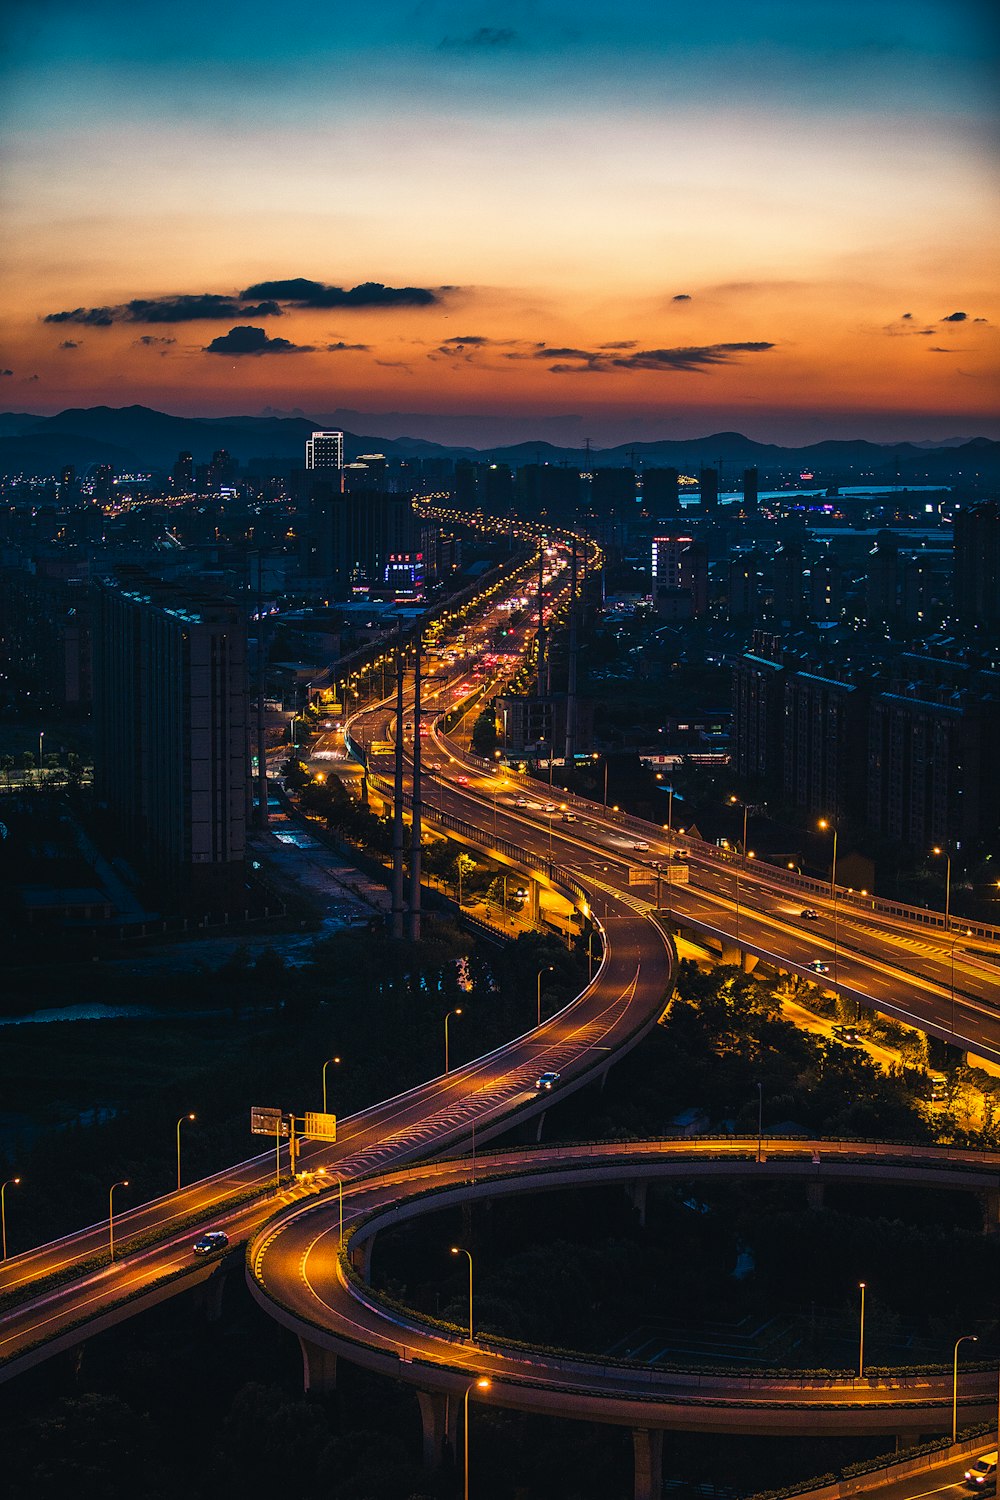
(661, 492)
(182, 474)
(758, 718)
(171, 758)
(104, 479)
(825, 586)
(917, 594)
(977, 564)
(824, 727)
(364, 538)
(882, 580)
(709, 485)
(680, 577)
(612, 492)
(750, 491)
(553, 488)
(325, 450)
(744, 587)
(789, 582)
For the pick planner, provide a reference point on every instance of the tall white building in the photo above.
(325, 450)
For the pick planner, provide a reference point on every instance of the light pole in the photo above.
(3, 1210)
(832, 825)
(325, 1066)
(340, 1202)
(482, 1384)
(760, 1121)
(456, 1250)
(180, 1122)
(947, 923)
(735, 801)
(41, 737)
(547, 970)
(861, 1337)
(456, 1012)
(966, 1338)
(111, 1215)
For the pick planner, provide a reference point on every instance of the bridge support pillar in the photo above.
(647, 1444)
(730, 954)
(990, 1200)
(748, 962)
(319, 1368)
(814, 1194)
(638, 1192)
(439, 1418)
(361, 1258)
(540, 1126)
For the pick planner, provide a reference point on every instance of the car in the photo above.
(939, 1088)
(550, 807)
(211, 1243)
(809, 913)
(818, 966)
(641, 847)
(982, 1471)
(521, 802)
(569, 817)
(546, 1081)
(848, 1035)
(463, 779)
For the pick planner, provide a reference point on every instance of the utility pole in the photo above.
(397, 808)
(261, 675)
(415, 806)
(541, 619)
(570, 750)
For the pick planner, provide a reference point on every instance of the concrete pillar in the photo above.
(211, 1296)
(990, 1200)
(749, 962)
(539, 1125)
(731, 954)
(319, 1368)
(814, 1194)
(439, 1419)
(638, 1192)
(361, 1257)
(647, 1444)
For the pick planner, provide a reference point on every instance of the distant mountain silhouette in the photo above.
(137, 438)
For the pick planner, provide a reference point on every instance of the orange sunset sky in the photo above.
(575, 220)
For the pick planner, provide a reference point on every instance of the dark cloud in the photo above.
(202, 307)
(246, 340)
(468, 338)
(955, 318)
(90, 317)
(342, 347)
(696, 357)
(935, 349)
(484, 36)
(30, 378)
(69, 344)
(980, 320)
(152, 340)
(621, 344)
(5, 372)
(301, 292)
(907, 317)
(681, 297)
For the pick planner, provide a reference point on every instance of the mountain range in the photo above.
(139, 439)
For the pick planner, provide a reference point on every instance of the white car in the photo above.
(641, 847)
(982, 1471)
(521, 802)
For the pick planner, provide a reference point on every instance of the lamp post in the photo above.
(547, 970)
(947, 923)
(457, 1250)
(111, 1214)
(325, 1066)
(456, 1012)
(3, 1210)
(966, 1338)
(482, 1384)
(735, 801)
(41, 737)
(760, 1121)
(831, 824)
(861, 1336)
(340, 1203)
(180, 1122)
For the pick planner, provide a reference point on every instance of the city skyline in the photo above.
(540, 221)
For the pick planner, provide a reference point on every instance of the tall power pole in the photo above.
(571, 682)
(397, 808)
(415, 807)
(541, 619)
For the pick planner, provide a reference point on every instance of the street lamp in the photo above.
(340, 1199)
(482, 1384)
(456, 1250)
(3, 1210)
(180, 1122)
(111, 1215)
(547, 970)
(947, 923)
(831, 824)
(861, 1337)
(735, 802)
(325, 1066)
(760, 1120)
(456, 1012)
(966, 1338)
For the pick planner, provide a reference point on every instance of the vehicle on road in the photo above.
(939, 1088)
(809, 913)
(983, 1473)
(550, 807)
(641, 847)
(463, 779)
(211, 1243)
(546, 1081)
(818, 966)
(521, 802)
(848, 1035)
(569, 817)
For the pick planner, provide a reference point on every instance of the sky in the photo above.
(521, 219)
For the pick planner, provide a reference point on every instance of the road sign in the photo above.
(265, 1121)
(639, 875)
(320, 1127)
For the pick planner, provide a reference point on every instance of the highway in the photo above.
(297, 1273)
(885, 961)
